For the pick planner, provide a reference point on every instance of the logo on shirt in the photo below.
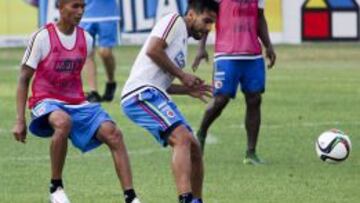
(68, 65)
(180, 59)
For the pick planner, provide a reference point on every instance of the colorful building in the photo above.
(330, 20)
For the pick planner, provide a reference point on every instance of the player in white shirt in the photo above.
(145, 97)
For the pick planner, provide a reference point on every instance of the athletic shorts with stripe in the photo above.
(86, 119)
(154, 111)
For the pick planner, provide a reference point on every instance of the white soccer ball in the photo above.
(333, 146)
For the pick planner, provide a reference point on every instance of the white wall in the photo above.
(291, 10)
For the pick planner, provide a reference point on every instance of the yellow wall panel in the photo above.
(316, 4)
(273, 15)
(17, 17)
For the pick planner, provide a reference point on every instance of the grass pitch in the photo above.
(314, 87)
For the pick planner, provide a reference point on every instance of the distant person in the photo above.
(101, 20)
(240, 27)
(145, 98)
(56, 55)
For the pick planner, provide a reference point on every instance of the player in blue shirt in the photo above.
(101, 20)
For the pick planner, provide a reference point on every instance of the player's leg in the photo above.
(212, 112)
(49, 120)
(93, 95)
(225, 81)
(197, 170)
(152, 110)
(61, 123)
(197, 167)
(180, 141)
(253, 85)
(94, 127)
(90, 65)
(107, 40)
(109, 134)
(252, 125)
(108, 59)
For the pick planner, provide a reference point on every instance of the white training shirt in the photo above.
(145, 72)
(261, 3)
(39, 45)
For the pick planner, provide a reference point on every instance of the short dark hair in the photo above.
(201, 5)
(59, 2)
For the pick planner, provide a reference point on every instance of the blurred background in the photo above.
(290, 21)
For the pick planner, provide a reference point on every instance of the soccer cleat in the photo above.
(136, 200)
(109, 91)
(93, 97)
(253, 159)
(59, 196)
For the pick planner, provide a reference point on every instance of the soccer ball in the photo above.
(333, 146)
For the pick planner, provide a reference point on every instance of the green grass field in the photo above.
(314, 87)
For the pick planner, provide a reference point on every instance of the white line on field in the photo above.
(211, 139)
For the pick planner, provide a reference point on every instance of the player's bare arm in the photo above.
(202, 92)
(19, 129)
(265, 39)
(156, 51)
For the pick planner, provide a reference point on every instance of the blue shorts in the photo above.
(86, 120)
(105, 34)
(229, 74)
(154, 111)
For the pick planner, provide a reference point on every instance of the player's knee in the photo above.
(185, 140)
(253, 100)
(60, 121)
(115, 138)
(112, 136)
(181, 137)
(105, 53)
(221, 102)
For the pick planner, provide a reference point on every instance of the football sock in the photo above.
(129, 195)
(54, 184)
(185, 198)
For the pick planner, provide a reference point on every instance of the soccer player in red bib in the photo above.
(240, 29)
(56, 55)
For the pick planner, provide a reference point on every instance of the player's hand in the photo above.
(202, 54)
(202, 92)
(19, 131)
(271, 55)
(190, 80)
